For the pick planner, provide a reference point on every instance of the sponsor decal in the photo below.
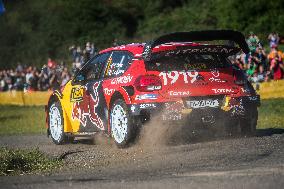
(215, 73)
(215, 77)
(143, 106)
(146, 97)
(115, 68)
(195, 66)
(203, 103)
(172, 117)
(147, 52)
(132, 108)
(217, 91)
(179, 93)
(245, 90)
(122, 80)
(118, 72)
(238, 109)
(253, 98)
(77, 94)
(87, 109)
(218, 80)
(214, 49)
(119, 47)
(108, 91)
(173, 76)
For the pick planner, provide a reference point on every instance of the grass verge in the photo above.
(22, 120)
(271, 114)
(16, 161)
(31, 119)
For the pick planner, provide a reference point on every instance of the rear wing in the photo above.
(193, 36)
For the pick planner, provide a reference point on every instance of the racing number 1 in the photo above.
(174, 75)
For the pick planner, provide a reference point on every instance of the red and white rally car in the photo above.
(173, 77)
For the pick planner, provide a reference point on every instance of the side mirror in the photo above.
(79, 78)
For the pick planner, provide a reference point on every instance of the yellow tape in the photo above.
(27, 99)
(272, 89)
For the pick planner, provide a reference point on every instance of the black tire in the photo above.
(248, 125)
(56, 130)
(232, 127)
(69, 139)
(124, 122)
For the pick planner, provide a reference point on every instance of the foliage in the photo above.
(32, 30)
(16, 161)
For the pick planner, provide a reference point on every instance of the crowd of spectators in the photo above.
(79, 56)
(51, 76)
(259, 66)
(31, 78)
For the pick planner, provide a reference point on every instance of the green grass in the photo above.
(16, 161)
(22, 120)
(271, 113)
(31, 120)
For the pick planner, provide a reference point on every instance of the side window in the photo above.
(118, 63)
(95, 68)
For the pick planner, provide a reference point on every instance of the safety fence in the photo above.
(273, 89)
(24, 98)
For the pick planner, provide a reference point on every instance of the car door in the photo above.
(91, 109)
(98, 112)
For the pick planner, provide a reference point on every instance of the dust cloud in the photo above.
(157, 133)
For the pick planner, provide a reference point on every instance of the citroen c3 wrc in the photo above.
(176, 76)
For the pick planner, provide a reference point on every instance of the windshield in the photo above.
(187, 62)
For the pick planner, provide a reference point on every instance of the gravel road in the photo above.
(255, 162)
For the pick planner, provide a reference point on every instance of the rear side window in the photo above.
(118, 63)
(195, 61)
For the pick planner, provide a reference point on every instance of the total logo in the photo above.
(179, 93)
(218, 91)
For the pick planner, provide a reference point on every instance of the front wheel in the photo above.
(56, 122)
(121, 123)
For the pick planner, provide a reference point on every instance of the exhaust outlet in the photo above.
(208, 119)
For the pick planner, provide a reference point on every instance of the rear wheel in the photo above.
(232, 127)
(122, 127)
(56, 123)
(248, 125)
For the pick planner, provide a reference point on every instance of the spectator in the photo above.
(65, 77)
(73, 51)
(274, 52)
(260, 60)
(273, 39)
(277, 67)
(93, 50)
(253, 42)
(88, 51)
(51, 63)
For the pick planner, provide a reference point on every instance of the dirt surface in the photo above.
(255, 162)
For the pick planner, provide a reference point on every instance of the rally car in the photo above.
(176, 76)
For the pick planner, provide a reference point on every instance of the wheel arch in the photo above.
(56, 96)
(121, 93)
